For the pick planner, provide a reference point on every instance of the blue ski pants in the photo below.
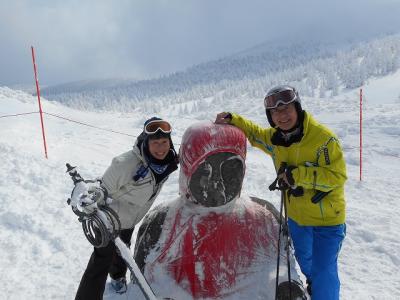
(316, 249)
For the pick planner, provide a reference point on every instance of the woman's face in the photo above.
(284, 116)
(218, 180)
(159, 148)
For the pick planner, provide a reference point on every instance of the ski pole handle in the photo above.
(75, 176)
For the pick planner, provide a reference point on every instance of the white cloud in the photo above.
(130, 38)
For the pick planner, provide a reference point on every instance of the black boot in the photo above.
(294, 288)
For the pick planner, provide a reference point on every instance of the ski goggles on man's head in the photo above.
(280, 98)
(153, 126)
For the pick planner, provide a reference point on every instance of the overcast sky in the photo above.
(89, 39)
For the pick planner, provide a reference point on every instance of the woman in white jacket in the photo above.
(133, 181)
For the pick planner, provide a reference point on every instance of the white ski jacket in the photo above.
(131, 199)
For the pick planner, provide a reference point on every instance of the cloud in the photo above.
(80, 39)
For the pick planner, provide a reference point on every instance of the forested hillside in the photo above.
(315, 69)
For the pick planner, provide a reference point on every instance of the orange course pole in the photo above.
(40, 105)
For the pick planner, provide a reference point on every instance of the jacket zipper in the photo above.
(315, 180)
(320, 202)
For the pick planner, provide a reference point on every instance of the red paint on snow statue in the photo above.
(211, 242)
(203, 140)
(212, 252)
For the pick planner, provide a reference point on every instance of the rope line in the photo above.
(345, 148)
(88, 125)
(21, 114)
(70, 120)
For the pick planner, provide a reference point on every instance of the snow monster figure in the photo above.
(211, 242)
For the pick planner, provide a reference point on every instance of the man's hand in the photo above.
(283, 178)
(285, 181)
(287, 177)
(223, 118)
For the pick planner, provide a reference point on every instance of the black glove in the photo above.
(285, 177)
(295, 191)
(279, 183)
(282, 184)
(285, 181)
(289, 175)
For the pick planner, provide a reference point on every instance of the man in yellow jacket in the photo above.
(315, 174)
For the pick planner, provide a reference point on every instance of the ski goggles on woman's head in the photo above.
(153, 126)
(280, 98)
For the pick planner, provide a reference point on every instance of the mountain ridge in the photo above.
(321, 68)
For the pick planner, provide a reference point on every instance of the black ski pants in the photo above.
(103, 261)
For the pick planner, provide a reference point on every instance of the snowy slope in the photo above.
(43, 250)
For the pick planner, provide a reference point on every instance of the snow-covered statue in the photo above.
(211, 242)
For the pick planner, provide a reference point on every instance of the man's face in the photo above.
(218, 180)
(284, 116)
(159, 148)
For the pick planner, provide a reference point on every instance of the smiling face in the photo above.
(218, 180)
(159, 148)
(284, 116)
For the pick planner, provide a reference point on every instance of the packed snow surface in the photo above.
(44, 252)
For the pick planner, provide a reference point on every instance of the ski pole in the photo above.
(278, 184)
(144, 286)
(287, 244)
(102, 226)
(279, 249)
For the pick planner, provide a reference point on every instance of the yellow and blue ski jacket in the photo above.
(320, 168)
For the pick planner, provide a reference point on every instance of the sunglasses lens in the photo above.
(283, 97)
(154, 126)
